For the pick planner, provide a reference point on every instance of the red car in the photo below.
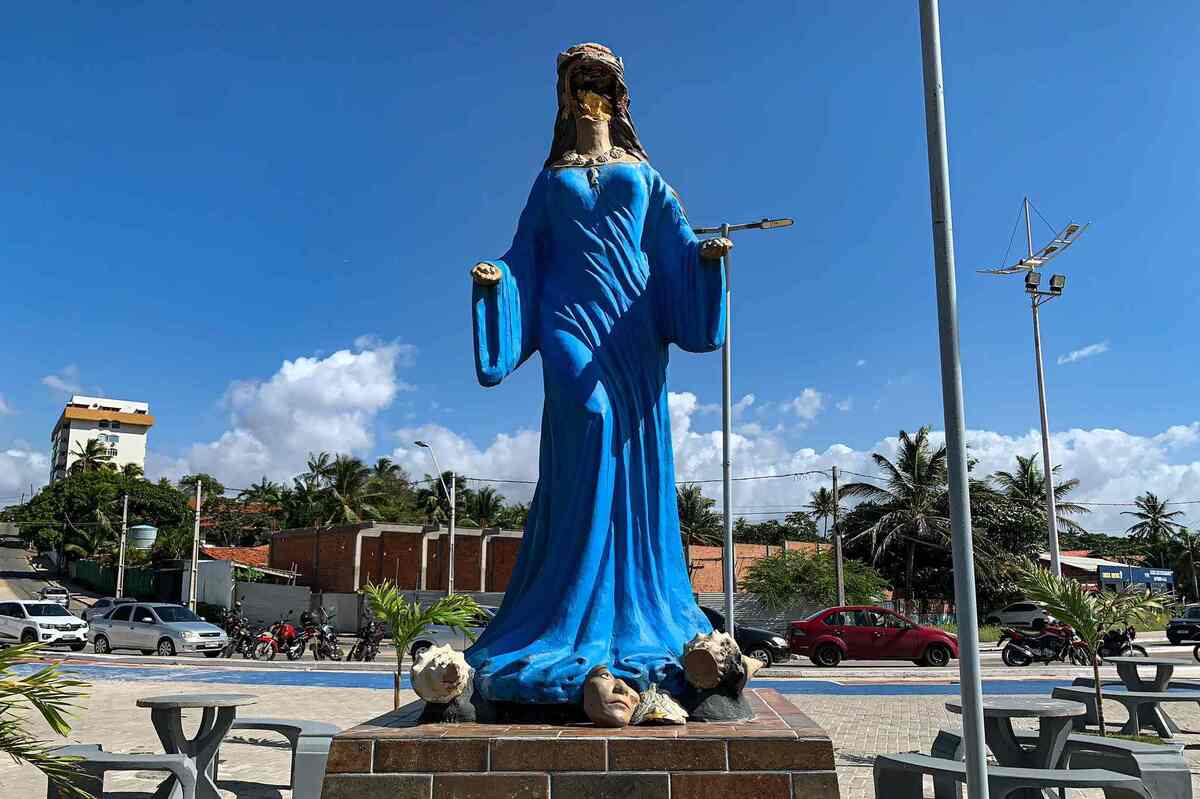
(865, 632)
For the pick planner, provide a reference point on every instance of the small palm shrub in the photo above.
(1090, 614)
(52, 694)
(406, 620)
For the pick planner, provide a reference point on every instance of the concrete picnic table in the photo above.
(1163, 669)
(1054, 728)
(166, 713)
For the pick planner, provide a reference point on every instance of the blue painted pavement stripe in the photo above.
(383, 680)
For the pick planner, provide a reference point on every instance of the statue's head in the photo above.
(439, 674)
(607, 700)
(591, 85)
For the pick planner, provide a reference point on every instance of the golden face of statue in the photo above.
(593, 106)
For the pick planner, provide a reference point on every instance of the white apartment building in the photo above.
(120, 425)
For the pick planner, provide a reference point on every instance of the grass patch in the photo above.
(988, 633)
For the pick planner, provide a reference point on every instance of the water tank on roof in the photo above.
(141, 536)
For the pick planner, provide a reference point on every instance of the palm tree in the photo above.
(821, 508)
(348, 481)
(386, 469)
(265, 491)
(1186, 545)
(698, 524)
(912, 505)
(132, 471)
(91, 456)
(1155, 524)
(433, 501)
(320, 468)
(1026, 486)
(485, 506)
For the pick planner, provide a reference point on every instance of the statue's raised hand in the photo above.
(486, 274)
(715, 249)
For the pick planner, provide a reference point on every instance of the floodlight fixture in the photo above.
(1057, 282)
(1032, 279)
(422, 444)
(762, 224)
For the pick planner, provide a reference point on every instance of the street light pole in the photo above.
(450, 494)
(1051, 512)
(730, 555)
(971, 688)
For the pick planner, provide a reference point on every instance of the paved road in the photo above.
(17, 579)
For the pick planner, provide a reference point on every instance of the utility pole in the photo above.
(839, 574)
(121, 554)
(970, 685)
(453, 497)
(1051, 510)
(195, 552)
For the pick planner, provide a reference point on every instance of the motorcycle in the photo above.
(366, 648)
(241, 640)
(1053, 643)
(318, 634)
(282, 636)
(1119, 643)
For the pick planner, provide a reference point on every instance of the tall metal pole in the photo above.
(971, 688)
(453, 503)
(838, 573)
(1051, 510)
(726, 428)
(195, 552)
(121, 553)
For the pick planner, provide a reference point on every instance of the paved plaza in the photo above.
(255, 764)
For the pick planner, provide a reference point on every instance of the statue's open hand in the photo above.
(714, 249)
(486, 274)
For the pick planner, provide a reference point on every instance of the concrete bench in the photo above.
(94, 762)
(1088, 682)
(310, 741)
(900, 777)
(1161, 767)
(1142, 706)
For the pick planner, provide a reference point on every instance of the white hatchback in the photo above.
(26, 621)
(1019, 614)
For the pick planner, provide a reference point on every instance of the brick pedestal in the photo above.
(781, 754)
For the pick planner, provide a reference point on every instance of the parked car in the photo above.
(56, 593)
(832, 635)
(1020, 614)
(754, 642)
(28, 620)
(1185, 627)
(151, 627)
(438, 635)
(103, 606)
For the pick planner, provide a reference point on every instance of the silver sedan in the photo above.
(156, 627)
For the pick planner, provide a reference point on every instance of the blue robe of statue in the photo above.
(600, 279)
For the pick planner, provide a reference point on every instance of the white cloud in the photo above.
(309, 405)
(807, 404)
(5, 408)
(508, 456)
(1112, 465)
(65, 381)
(845, 405)
(1084, 352)
(860, 362)
(21, 466)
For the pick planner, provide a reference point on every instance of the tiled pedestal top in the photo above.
(781, 754)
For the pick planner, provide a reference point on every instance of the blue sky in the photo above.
(193, 196)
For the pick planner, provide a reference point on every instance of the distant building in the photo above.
(121, 427)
